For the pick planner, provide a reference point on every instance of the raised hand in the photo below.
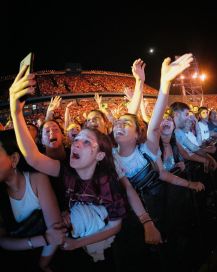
(22, 85)
(54, 103)
(152, 234)
(170, 70)
(98, 100)
(69, 104)
(138, 69)
(117, 111)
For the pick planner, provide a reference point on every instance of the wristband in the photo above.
(30, 243)
(144, 217)
(149, 220)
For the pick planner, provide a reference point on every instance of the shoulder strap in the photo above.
(149, 159)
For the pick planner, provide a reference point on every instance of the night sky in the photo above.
(107, 37)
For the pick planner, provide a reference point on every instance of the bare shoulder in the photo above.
(38, 176)
(38, 179)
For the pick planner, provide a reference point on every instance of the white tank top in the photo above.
(24, 207)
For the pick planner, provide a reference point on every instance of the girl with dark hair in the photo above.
(133, 154)
(97, 119)
(88, 177)
(22, 192)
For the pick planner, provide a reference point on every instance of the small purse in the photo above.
(147, 179)
(31, 226)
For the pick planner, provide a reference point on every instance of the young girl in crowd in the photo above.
(131, 149)
(25, 192)
(89, 178)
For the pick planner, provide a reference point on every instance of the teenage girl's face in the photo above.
(167, 126)
(84, 150)
(51, 135)
(6, 164)
(96, 121)
(125, 130)
(204, 115)
(73, 131)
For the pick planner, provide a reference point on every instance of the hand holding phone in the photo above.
(28, 60)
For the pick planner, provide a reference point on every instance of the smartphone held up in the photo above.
(28, 60)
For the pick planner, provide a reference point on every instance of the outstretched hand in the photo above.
(22, 85)
(170, 70)
(138, 69)
(98, 99)
(54, 103)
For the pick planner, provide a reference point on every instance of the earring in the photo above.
(15, 169)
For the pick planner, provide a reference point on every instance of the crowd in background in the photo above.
(89, 158)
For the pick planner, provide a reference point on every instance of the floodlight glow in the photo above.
(203, 77)
(195, 75)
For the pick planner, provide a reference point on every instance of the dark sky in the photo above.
(107, 37)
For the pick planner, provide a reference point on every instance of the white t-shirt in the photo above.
(190, 135)
(133, 163)
(204, 130)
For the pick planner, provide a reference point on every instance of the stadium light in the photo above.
(202, 77)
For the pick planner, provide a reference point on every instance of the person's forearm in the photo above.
(192, 157)
(175, 180)
(143, 112)
(159, 108)
(135, 202)
(22, 243)
(109, 230)
(133, 106)
(49, 115)
(67, 117)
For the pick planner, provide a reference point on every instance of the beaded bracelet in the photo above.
(149, 220)
(144, 217)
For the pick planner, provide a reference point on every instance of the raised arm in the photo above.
(139, 75)
(143, 107)
(21, 86)
(103, 107)
(54, 104)
(67, 118)
(169, 71)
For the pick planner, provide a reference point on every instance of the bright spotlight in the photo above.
(203, 77)
(195, 75)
